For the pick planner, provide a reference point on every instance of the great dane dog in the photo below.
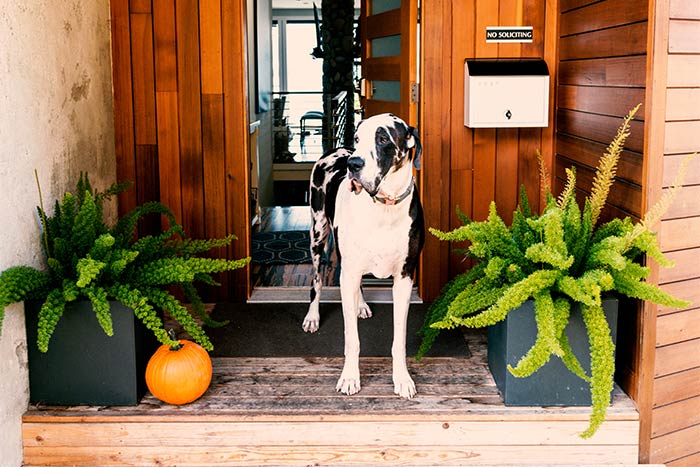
(368, 197)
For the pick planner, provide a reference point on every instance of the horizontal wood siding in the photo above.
(675, 427)
(602, 75)
(467, 167)
(172, 90)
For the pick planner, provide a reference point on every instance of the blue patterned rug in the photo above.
(290, 247)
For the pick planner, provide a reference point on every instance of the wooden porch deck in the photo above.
(266, 411)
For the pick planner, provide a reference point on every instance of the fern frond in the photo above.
(602, 365)
(567, 195)
(138, 301)
(167, 302)
(198, 306)
(49, 315)
(545, 180)
(607, 166)
(20, 283)
(100, 305)
(546, 342)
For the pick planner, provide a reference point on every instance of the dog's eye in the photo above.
(382, 139)
(357, 139)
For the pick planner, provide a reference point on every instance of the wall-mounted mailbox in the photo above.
(506, 93)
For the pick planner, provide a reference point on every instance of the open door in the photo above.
(388, 34)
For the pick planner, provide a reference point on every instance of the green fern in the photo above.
(86, 259)
(559, 259)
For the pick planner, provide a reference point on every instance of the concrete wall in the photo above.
(55, 117)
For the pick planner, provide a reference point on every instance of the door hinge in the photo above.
(414, 93)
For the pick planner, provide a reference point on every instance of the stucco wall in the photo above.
(55, 117)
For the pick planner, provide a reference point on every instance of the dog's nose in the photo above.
(355, 164)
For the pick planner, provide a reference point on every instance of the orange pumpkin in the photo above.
(179, 375)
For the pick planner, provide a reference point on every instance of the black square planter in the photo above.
(83, 365)
(553, 384)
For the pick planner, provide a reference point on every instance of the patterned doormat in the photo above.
(289, 247)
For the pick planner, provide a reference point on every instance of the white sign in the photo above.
(509, 34)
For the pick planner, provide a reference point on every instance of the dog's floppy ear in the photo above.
(413, 141)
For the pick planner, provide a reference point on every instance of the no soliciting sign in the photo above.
(509, 34)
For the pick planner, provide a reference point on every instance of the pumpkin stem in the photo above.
(173, 337)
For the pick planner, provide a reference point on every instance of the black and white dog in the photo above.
(369, 198)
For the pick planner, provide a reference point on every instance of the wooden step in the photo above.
(267, 411)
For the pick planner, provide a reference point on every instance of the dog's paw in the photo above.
(364, 311)
(404, 387)
(310, 324)
(348, 385)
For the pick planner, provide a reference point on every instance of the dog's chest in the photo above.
(373, 237)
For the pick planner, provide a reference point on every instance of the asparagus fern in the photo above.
(558, 258)
(86, 259)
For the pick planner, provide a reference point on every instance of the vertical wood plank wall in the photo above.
(674, 428)
(180, 114)
(462, 166)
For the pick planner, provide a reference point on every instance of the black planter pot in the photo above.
(83, 365)
(553, 384)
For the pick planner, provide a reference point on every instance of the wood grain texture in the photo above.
(683, 37)
(166, 45)
(684, 9)
(676, 387)
(686, 266)
(683, 104)
(678, 327)
(674, 358)
(283, 411)
(143, 78)
(123, 102)
(169, 152)
(614, 42)
(236, 131)
(682, 70)
(676, 445)
(613, 71)
(601, 15)
(210, 46)
(611, 101)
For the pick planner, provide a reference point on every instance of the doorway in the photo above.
(305, 121)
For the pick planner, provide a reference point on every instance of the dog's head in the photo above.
(384, 145)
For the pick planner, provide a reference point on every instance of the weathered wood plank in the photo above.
(692, 460)
(676, 387)
(171, 435)
(196, 456)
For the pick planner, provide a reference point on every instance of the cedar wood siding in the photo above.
(181, 120)
(471, 167)
(645, 52)
(674, 423)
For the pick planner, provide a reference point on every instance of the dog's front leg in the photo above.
(349, 382)
(403, 384)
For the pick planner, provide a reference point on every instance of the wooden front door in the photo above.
(388, 32)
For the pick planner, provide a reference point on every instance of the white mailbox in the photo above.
(506, 93)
